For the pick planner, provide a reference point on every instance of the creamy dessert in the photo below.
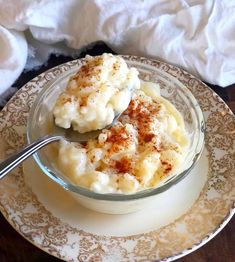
(147, 144)
(100, 89)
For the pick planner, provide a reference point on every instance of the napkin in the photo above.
(197, 35)
(13, 55)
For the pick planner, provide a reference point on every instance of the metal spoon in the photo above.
(59, 133)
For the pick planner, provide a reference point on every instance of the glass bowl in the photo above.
(40, 122)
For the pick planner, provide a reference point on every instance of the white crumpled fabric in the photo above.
(13, 54)
(198, 35)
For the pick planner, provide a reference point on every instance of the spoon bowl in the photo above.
(58, 134)
(74, 136)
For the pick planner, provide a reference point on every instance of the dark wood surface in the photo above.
(14, 248)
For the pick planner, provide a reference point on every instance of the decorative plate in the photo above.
(180, 221)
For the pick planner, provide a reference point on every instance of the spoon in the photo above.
(59, 133)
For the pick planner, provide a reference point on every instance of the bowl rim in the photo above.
(85, 192)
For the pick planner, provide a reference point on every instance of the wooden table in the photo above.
(14, 248)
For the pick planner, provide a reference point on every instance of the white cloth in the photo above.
(198, 35)
(13, 54)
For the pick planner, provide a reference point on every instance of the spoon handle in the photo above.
(7, 165)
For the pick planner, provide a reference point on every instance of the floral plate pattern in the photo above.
(210, 213)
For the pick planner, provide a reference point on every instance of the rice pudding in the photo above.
(146, 145)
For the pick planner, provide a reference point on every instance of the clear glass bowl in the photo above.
(40, 122)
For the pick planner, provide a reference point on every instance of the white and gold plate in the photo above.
(181, 220)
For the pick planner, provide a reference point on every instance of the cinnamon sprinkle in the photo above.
(149, 137)
(167, 167)
(141, 116)
(125, 165)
